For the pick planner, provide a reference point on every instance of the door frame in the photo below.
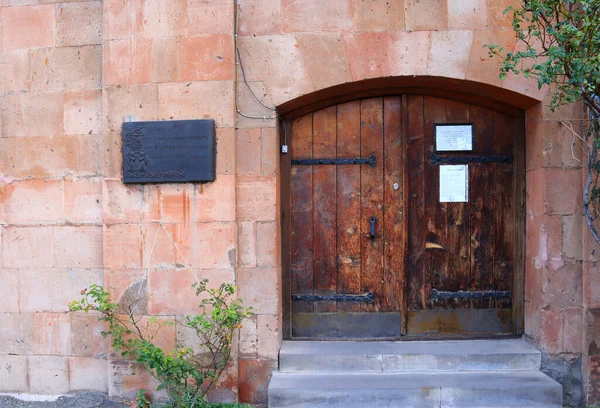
(285, 134)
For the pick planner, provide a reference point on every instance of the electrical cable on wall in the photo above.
(238, 61)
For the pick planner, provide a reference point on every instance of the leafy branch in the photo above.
(561, 40)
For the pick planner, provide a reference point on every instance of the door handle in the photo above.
(373, 220)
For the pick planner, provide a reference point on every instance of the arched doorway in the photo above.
(379, 241)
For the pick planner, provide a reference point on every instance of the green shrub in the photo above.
(187, 377)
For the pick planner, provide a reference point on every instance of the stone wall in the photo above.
(74, 71)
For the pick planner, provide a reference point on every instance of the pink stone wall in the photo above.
(74, 71)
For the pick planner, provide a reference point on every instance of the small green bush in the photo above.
(187, 377)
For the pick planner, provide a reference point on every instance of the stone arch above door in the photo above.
(292, 66)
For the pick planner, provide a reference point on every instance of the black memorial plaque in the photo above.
(173, 151)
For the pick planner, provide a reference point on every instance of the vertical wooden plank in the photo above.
(405, 229)
(285, 166)
(519, 225)
(371, 129)
(416, 204)
(324, 208)
(348, 205)
(435, 220)
(302, 213)
(482, 208)
(393, 200)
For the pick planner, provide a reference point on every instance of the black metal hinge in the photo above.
(368, 298)
(489, 294)
(437, 159)
(371, 161)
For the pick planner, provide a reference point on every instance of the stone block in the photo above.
(52, 333)
(28, 247)
(467, 14)
(82, 112)
(449, 53)
(78, 247)
(197, 100)
(551, 329)
(171, 292)
(522, 85)
(563, 191)
(573, 330)
(124, 203)
(88, 373)
(257, 198)
(129, 103)
(176, 203)
(166, 59)
(33, 201)
(373, 55)
(169, 246)
(32, 114)
(122, 19)
(126, 285)
(127, 61)
(86, 336)
(216, 245)
(562, 287)
(591, 285)
(14, 64)
(207, 57)
(17, 333)
(270, 59)
(269, 336)
(123, 246)
(270, 151)
(249, 147)
(254, 378)
(27, 27)
(572, 226)
(248, 335)
(48, 374)
(125, 378)
(495, 17)
(225, 151)
(259, 115)
(592, 388)
(216, 201)
(9, 290)
(51, 290)
(50, 157)
(259, 288)
(319, 47)
(83, 200)
(377, 15)
(482, 67)
(112, 157)
(13, 374)
(423, 15)
(267, 244)
(79, 23)
(164, 18)
(246, 244)
(215, 16)
(314, 15)
(259, 17)
(54, 69)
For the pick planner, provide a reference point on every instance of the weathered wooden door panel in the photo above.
(439, 268)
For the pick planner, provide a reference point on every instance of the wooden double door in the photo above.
(374, 251)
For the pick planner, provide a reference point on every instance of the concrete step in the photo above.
(408, 356)
(405, 390)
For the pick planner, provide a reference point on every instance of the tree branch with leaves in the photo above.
(561, 41)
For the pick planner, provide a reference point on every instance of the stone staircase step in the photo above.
(409, 356)
(435, 390)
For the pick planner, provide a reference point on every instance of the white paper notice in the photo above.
(454, 183)
(453, 138)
